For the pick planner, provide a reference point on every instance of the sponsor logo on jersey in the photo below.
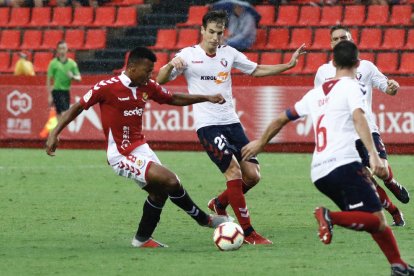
(224, 62)
(87, 96)
(134, 112)
(221, 77)
(123, 99)
(197, 61)
(140, 163)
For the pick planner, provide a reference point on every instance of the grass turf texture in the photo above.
(71, 215)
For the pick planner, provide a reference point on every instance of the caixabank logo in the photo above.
(18, 103)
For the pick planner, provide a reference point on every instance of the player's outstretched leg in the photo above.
(150, 217)
(396, 188)
(397, 216)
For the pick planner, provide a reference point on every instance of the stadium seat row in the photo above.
(295, 15)
(48, 39)
(67, 16)
(40, 60)
(387, 62)
(285, 38)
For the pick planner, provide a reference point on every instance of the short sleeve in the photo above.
(93, 96)
(301, 107)
(158, 93)
(356, 97)
(242, 63)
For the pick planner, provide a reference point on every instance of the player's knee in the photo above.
(172, 183)
(252, 180)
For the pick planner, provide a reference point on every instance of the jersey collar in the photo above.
(126, 81)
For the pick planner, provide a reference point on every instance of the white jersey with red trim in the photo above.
(368, 74)
(122, 107)
(208, 75)
(330, 107)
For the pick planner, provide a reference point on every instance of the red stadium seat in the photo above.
(354, 15)
(261, 39)
(32, 39)
(75, 38)
(407, 63)
(313, 61)
(40, 17)
(4, 16)
(83, 16)
(270, 58)
(393, 39)
(287, 15)
(71, 55)
(62, 16)
(300, 36)
(162, 59)
(126, 16)
(195, 15)
(4, 61)
(409, 45)
(331, 15)
(19, 17)
(387, 62)
(10, 39)
(187, 37)
(51, 38)
(400, 15)
(370, 39)
(298, 68)
(309, 16)
(355, 35)
(166, 39)
(322, 39)
(367, 56)
(41, 61)
(95, 39)
(268, 14)
(104, 16)
(278, 39)
(253, 56)
(377, 15)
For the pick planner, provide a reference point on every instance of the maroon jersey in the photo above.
(122, 107)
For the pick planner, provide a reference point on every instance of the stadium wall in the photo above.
(24, 112)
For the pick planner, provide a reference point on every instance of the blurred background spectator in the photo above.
(23, 67)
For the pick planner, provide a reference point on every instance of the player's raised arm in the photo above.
(270, 70)
(181, 99)
(164, 74)
(257, 146)
(67, 117)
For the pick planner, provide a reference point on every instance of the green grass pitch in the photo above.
(71, 215)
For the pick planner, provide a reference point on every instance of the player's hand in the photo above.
(377, 166)
(178, 63)
(300, 51)
(69, 74)
(251, 149)
(392, 87)
(218, 98)
(51, 144)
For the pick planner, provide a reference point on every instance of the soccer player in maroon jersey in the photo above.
(122, 102)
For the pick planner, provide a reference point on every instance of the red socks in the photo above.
(224, 199)
(236, 199)
(385, 200)
(356, 220)
(386, 241)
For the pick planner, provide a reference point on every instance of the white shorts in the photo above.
(135, 165)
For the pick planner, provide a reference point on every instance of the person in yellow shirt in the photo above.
(23, 67)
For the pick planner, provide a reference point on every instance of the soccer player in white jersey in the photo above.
(207, 68)
(122, 102)
(337, 109)
(371, 77)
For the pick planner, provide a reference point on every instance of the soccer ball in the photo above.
(228, 236)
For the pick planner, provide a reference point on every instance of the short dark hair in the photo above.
(141, 53)
(60, 43)
(218, 16)
(345, 54)
(339, 27)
